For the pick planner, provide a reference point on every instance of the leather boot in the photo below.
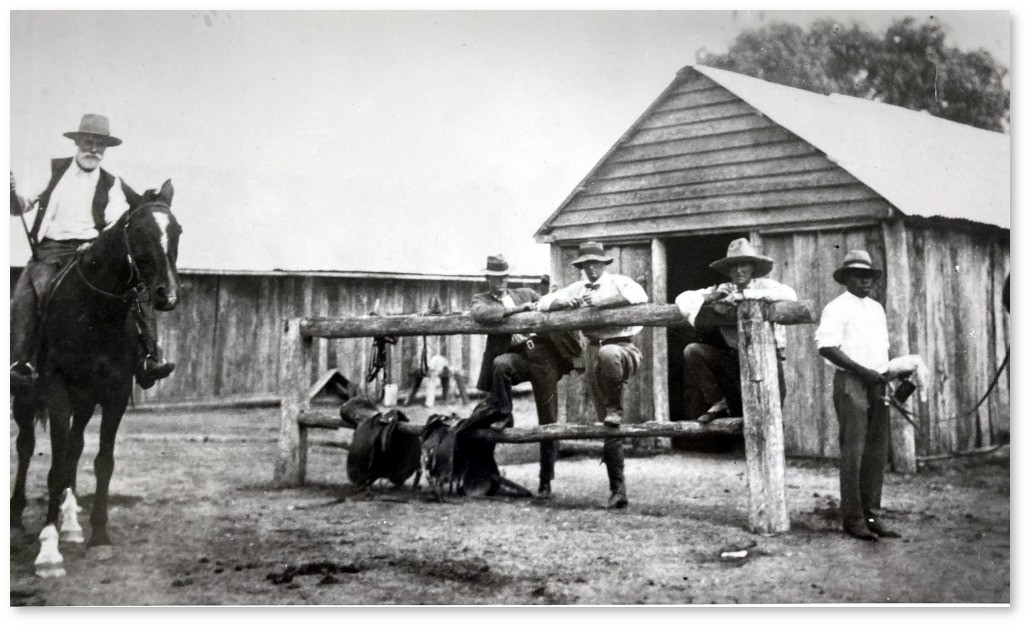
(877, 527)
(858, 529)
(615, 463)
(150, 372)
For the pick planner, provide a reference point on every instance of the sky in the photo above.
(365, 141)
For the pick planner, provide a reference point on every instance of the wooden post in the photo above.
(763, 421)
(295, 361)
(899, 285)
(660, 335)
(557, 272)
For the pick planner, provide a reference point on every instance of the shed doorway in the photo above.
(687, 260)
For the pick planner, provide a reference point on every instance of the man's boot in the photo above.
(150, 371)
(615, 462)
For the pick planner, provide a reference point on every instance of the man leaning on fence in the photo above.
(711, 366)
(510, 359)
(611, 357)
(852, 337)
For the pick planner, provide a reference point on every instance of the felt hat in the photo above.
(592, 251)
(740, 251)
(94, 126)
(496, 265)
(855, 261)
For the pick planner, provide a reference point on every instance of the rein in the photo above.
(139, 285)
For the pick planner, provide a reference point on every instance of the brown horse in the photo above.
(88, 354)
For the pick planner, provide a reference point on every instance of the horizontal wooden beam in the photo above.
(522, 435)
(649, 315)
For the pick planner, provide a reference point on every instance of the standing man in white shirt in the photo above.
(79, 202)
(611, 357)
(852, 337)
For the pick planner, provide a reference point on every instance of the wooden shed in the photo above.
(808, 177)
(224, 336)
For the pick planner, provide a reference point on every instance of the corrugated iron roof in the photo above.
(923, 165)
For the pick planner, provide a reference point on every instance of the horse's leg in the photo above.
(24, 411)
(82, 411)
(49, 562)
(103, 465)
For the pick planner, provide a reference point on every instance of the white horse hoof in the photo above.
(50, 570)
(72, 535)
(49, 562)
(100, 553)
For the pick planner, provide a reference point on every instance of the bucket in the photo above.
(390, 395)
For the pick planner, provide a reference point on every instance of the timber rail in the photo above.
(761, 425)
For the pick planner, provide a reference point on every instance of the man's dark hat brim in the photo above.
(840, 275)
(107, 140)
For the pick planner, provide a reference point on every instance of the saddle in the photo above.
(378, 450)
(450, 455)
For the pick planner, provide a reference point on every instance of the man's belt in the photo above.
(526, 346)
(611, 340)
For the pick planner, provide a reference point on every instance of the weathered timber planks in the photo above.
(790, 197)
(697, 98)
(728, 172)
(791, 181)
(814, 216)
(640, 152)
(528, 322)
(699, 129)
(778, 150)
(697, 114)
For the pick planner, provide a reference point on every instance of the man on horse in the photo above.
(79, 202)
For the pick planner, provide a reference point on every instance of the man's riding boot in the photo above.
(615, 462)
(150, 371)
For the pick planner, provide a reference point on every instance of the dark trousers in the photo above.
(540, 366)
(712, 373)
(608, 368)
(864, 430)
(51, 256)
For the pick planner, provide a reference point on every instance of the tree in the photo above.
(909, 65)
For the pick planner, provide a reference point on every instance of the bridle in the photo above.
(136, 282)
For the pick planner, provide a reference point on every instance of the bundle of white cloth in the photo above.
(909, 366)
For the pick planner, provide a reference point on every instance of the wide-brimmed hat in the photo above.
(496, 265)
(740, 251)
(592, 251)
(94, 126)
(855, 261)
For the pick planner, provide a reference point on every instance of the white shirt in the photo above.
(762, 288)
(858, 327)
(69, 214)
(606, 287)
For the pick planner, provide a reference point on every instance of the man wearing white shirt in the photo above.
(611, 357)
(711, 372)
(852, 337)
(80, 200)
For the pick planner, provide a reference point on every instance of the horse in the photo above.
(88, 353)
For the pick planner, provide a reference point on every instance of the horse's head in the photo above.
(152, 237)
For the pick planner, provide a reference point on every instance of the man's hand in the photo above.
(590, 299)
(871, 377)
(83, 246)
(715, 296)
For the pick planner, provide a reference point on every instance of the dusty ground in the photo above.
(196, 521)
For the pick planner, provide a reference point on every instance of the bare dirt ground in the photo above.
(196, 521)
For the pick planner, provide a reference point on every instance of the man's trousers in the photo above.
(540, 366)
(608, 368)
(864, 423)
(712, 373)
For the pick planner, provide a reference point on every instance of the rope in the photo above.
(910, 416)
